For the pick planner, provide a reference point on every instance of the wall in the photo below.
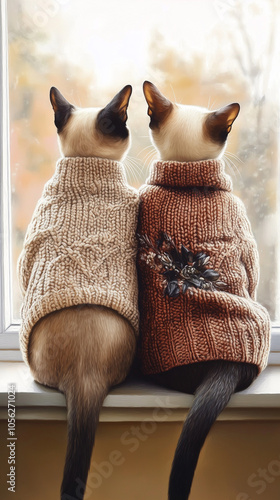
(234, 452)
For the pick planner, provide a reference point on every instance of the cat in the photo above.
(191, 139)
(85, 349)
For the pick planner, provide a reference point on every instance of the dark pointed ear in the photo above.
(112, 119)
(159, 107)
(218, 124)
(62, 109)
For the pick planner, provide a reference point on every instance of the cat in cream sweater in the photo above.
(77, 272)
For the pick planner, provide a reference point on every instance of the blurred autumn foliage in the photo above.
(235, 60)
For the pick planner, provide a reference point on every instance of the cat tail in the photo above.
(84, 401)
(211, 397)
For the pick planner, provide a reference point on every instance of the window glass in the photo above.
(197, 52)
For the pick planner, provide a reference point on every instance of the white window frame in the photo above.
(9, 329)
(9, 343)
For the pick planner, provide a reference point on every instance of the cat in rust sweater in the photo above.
(202, 330)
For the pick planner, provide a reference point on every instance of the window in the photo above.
(198, 52)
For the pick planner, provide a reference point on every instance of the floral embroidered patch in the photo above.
(180, 270)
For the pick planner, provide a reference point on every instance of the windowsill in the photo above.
(136, 399)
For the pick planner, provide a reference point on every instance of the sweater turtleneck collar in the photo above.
(207, 173)
(83, 171)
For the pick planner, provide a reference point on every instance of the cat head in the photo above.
(187, 133)
(92, 132)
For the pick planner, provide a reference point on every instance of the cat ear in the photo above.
(112, 119)
(218, 124)
(62, 108)
(159, 107)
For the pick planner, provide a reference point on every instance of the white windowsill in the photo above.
(136, 400)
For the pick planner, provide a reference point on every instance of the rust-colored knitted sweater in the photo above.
(193, 203)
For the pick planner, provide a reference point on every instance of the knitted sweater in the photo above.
(80, 247)
(194, 205)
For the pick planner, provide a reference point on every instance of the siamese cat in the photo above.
(182, 133)
(86, 349)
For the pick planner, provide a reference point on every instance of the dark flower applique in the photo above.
(180, 270)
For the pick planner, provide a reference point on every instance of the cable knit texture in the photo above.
(194, 204)
(80, 247)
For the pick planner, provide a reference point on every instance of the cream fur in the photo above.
(81, 138)
(181, 137)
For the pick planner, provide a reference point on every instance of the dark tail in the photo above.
(211, 397)
(83, 405)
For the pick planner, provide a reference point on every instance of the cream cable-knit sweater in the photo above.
(80, 246)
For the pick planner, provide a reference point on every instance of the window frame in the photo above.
(9, 343)
(9, 329)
